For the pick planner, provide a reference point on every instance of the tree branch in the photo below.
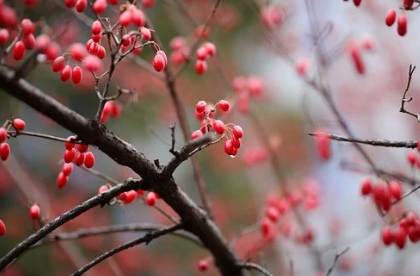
(111, 229)
(252, 266)
(404, 100)
(102, 198)
(336, 258)
(377, 143)
(90, 132)
(145, 239)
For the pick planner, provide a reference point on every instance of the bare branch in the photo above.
(144, 239)
(336, 258)
(252, 266)
(100, 199)
(185, 152)
(404, 100)
(377, 143)
(111, 229)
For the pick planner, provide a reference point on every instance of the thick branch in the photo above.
(194, 219)
(377, 143)
(145, 239)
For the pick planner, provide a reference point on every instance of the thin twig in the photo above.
(336, 258)
(377, 143)
(15, 134)
(252, 266)
(404, 100)
(111, 229)
(144, 239)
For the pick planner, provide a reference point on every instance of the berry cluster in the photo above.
(206, 51)
(179, 51)
(80, 157)
(112, 109)
(382, 194)
(18, 125)
(27, 40)
(391, 17)
(255, 155)
(247, 88)
(278, 208)
(408, 226)
(233, 133)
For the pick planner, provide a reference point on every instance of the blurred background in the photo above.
(276, 120)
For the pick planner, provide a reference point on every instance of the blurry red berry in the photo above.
(19, 124)
(34, 212)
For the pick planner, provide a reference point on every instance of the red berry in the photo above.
(210, 48)
(395, 189)
(18, 50)
(223, 105)
(96, 27)
(125, 18)
(357, 58)
(101, 52)
(2, 228)
(76, 75)
(200, 67)
(34, 212)
(27, 26)
(357, 2)
(196, 134)
(228, 147)
(219, 127)
(81, 5)
(92, 63)
(402, 24)
(146, 34)
(69, 3)
(200, 106)
(59, 64)
(236, 142)
(158, 62)
(390, 18)
(66, 73)
(69, 145)
(19, 124)
(140, 192)
(94, 48)
(266, 228)
(130, 196)
(67, 168)
(400, 236)
(29, 41)
(237, 131)
(272, 214)
(201, 53)
(162, 53)
(138, 17)
(82, 147)
(89, 160)
(387, 236)
(148, 3)
(4, 151)
(4, 36)
(412, 157)
(99, 6)
(69, 155)
(62, 180)
(202, 266)
(3, 134)
(52, 50)
(102, 189)
(366, 187)
(302, 66)
(151, 199)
